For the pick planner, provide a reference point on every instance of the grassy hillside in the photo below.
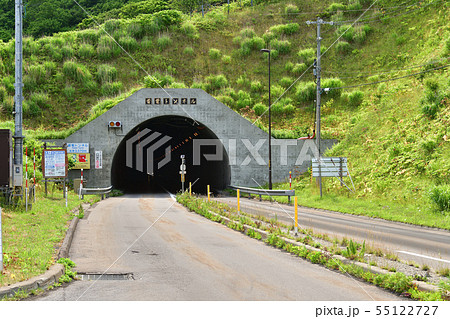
(394, 132)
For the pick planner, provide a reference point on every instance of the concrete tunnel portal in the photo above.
(148, 158)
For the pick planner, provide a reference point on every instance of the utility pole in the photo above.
(18, 99)
(319, 22)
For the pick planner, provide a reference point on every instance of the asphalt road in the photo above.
(174, 254)
(423, 245)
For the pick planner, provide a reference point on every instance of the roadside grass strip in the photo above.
(350, 260)
(31, 239)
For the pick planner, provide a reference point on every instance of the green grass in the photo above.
(30, 238)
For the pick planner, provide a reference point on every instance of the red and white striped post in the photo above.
(81, 182)
(26, 178)
(290, 180)
(34, 173)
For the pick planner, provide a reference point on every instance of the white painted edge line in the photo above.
(173, 197)
(423, 256)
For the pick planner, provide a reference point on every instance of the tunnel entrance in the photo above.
(148, 158)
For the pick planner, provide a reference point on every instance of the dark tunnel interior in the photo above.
(167, 138)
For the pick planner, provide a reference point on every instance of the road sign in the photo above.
(183, 167)
(330, 167)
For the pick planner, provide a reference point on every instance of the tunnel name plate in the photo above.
(172, 101)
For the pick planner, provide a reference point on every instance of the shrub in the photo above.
(67, 52)
(334, 7)
(107, 48)
(282, 47)
(226, 59)
(128, 43)
(86, 51)
(306, 91)
(35, 103)
(243, 99)
(188, 51)
(227, 100)
(440, 196)
(285, 81)
(106, 73)
(163, 42)
(89, 36)
(260, 109)
(37, 73)
(216, 82)
(79, 73)
(157, 80)
(256, 86)
(333, 83)
(286, 29)
(167, 18)
(299, 68)
(288, 66)
(291, 9)
(343, 47)
(146, 43)
(353, 99)
(111, 89)
(347, 31)
(214, 53)
(307, 55)
(135, 30)
(189, 29)
(2, 94)
(247, 33)
(249, 44)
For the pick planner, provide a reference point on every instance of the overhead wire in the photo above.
(393, 79)
(369, 74)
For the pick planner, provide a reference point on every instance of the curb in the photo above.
(51, 276)
(422, 286)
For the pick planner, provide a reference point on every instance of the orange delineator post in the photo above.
(208, 193)
(238, 201)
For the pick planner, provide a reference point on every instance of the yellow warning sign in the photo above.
(82, 161)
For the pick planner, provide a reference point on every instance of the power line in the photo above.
(384, 72)
(388, 80)
(386, 15)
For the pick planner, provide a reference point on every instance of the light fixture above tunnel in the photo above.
(115, 124)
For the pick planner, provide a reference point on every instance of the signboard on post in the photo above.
(82, 161)
(98, 159)
(54, 163)
(330, 167)
(77, 147)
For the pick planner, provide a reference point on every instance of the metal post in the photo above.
(319, 22)
(18, 98)
(296, 215)
(318, 103)
(270, 127)
(65, 194)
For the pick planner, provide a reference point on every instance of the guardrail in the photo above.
(95, 191)
(268, 192)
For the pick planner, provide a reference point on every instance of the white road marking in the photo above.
(173, 196)
(423, 256)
